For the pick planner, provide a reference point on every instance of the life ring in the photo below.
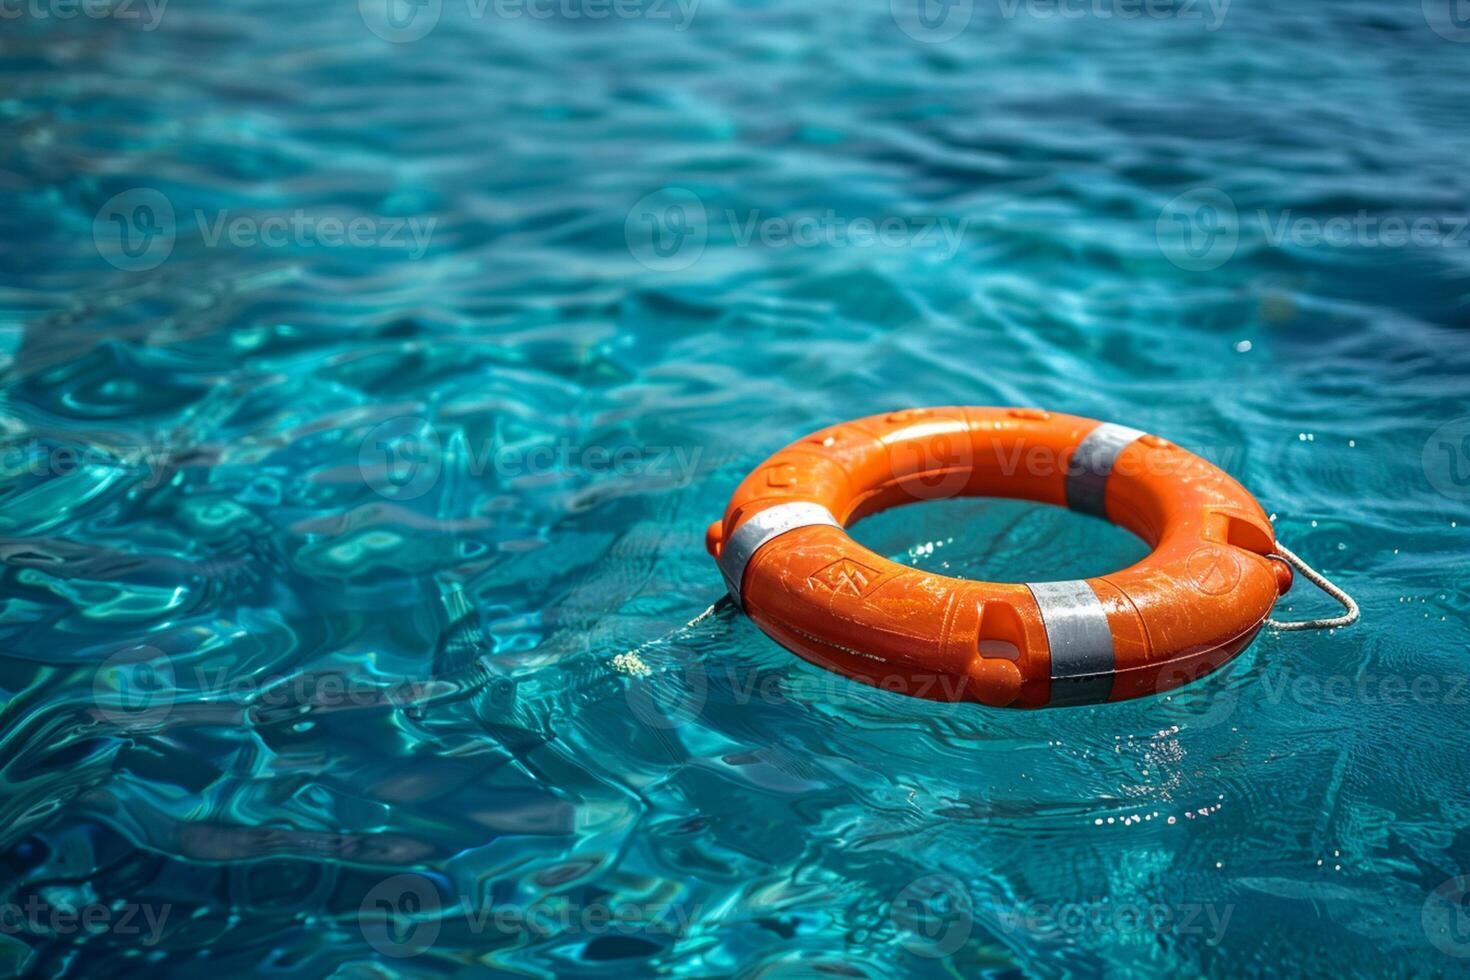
(1195, 602)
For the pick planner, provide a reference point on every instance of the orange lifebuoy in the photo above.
(1194, 603)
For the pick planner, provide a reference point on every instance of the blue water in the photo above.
(368, 385)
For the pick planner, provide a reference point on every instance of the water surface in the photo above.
(366, 394)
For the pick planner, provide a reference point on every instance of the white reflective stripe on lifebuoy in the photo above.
(1081, 641)
(1092, 464)
(770, 523)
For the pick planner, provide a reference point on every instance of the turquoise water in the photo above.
(369, 381)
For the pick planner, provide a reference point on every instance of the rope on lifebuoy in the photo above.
(1348, 618)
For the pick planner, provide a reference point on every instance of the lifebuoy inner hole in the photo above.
(992, 539)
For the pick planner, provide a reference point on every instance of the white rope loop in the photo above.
(1350, 615)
